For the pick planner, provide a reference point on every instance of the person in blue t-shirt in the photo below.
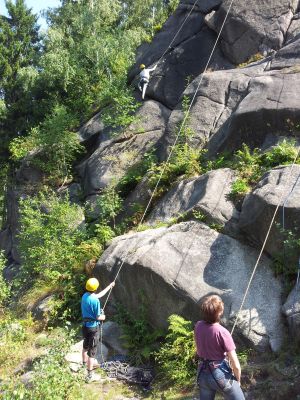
(91, 315)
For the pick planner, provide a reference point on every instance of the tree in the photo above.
(19, 53)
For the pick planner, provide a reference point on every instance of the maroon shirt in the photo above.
(212, 341)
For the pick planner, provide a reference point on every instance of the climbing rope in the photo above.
(179, 131)
(178, 31)
(266, 239)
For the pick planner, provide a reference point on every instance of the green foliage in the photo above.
(121, 112)
(54, 246)
(184, 163)
(108, 205)
(19, 49)
(239, 188)
(104, 233)
(4, 287)
(4, 178)
(284, 153)
(89, 49)
(175, 357)
(286, 261)
(255, 57)
(51, 146)
(243, 356)
(136, 173)
(252, 164)
(14, 334)
(138, 334)
(198, 215)
(52, 378)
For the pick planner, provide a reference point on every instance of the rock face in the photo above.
(177, 266)
(257, 105)
(240, 106)
(207, 194)
(110, 161)
(182, 50)
(280, 185)
(112, 337)
(288, 56)
(253, 26)
(291, 310)
(8, 240)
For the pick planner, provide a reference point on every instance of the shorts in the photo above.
(90, 340)
(144, 81)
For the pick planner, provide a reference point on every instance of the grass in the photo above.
(17, 343)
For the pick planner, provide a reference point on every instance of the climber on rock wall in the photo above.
(144, 78)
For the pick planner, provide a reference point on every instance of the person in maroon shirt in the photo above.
(214, 346)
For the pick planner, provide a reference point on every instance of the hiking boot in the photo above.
(91, 377)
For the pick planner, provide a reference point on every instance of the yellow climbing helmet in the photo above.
(142, 66)
(92, 284)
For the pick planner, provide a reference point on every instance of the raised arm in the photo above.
(234, 361)
(104, 291)
(152, 69)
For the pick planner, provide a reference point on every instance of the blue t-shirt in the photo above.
(90, 308)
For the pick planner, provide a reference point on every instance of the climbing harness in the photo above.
(213, 365)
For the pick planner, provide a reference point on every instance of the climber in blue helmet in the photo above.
(144, 78)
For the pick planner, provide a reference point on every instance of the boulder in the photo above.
(259, 206)
(112, 337)
(205, 6)
(183, 63)
(149, 53)
(288, 57)
(92, 207)
(294, 28)
(136, 202)
(109, 163)
(108, 166)
(291, 310)
(11, 271)
(151, 116)
(6, 241)
(175, 267)
(74, 356)
(29, 173)
(252, 27)
(8, 236)
(207, 193)
(239, 106)
(27, 379)
(94, 128)
(42, 308)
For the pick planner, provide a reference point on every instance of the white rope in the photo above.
(177, 33)
(264, 244)
(176, 138)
